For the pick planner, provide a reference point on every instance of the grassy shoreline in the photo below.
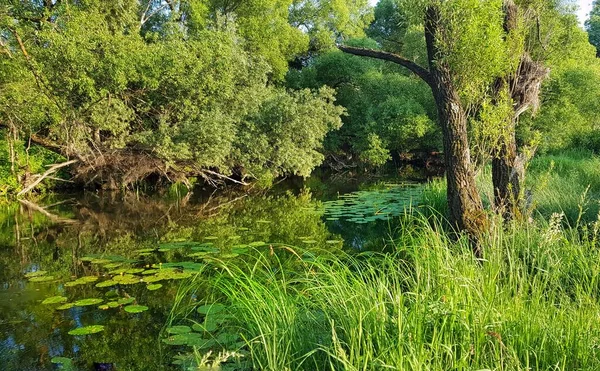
(532, 303)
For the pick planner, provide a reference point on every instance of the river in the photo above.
(115, 262)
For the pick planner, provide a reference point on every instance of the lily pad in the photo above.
(136, 308)
(67, 363)
(87, 330)
(190, 339)
(112, 304)
(107, 283)
(179, 330)
(154, 286)
(125, 301)
(86, 302)
(135, 270)
(211, 308)
(66, 306)
(55, 300)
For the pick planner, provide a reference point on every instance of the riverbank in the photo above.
(531, 303)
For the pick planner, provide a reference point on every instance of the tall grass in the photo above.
(531, 304)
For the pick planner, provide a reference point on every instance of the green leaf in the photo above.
(211, 308)
(86, 302)
(179, 330)
(87, 330)
(154, 287)
(55, 300)
(136, 308)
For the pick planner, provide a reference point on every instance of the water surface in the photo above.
(136, 240)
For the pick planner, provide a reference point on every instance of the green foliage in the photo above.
(389, 26)
(570, 97)
(387, 111)
(188, 82)
(329, 21)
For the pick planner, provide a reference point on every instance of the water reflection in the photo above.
(56, 236)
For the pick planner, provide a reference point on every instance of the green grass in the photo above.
(532, 303)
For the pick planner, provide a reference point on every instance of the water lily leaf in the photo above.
(35, 274)
(108, 283)
(211, 308)
(86, 302)
(208, 326)
(111, 294)
(74, 283)
(135, 308)
(135, 270)
(67, 363)
(55, 300)
(154, 287)
(153, 279)
(112, 304)
(87, 330)
(66, 306)
(148, 272)
(112, 265)
(89, 279)
(41, 279)
(127, 279)
(125, 301)
(145, 250)
(179, 330)
(100, 261)
(189, 339)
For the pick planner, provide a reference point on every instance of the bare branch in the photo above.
(53, 169)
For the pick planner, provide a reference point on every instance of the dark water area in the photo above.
(129, 253)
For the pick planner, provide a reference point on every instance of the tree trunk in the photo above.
(508, 168)
(507, 176)
(464, 202)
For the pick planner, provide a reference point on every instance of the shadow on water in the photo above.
(127, 254)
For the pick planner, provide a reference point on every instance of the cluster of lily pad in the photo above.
(209, 331)
(369, 206)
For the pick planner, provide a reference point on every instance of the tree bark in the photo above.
(464, 202)
(508, 168)
(466, 208)
(507, 176)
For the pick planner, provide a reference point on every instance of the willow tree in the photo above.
(466, 53)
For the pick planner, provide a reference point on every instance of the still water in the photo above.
(111, 265)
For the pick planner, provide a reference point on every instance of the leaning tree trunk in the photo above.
(464, 202)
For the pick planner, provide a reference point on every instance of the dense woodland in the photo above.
(239, 91)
